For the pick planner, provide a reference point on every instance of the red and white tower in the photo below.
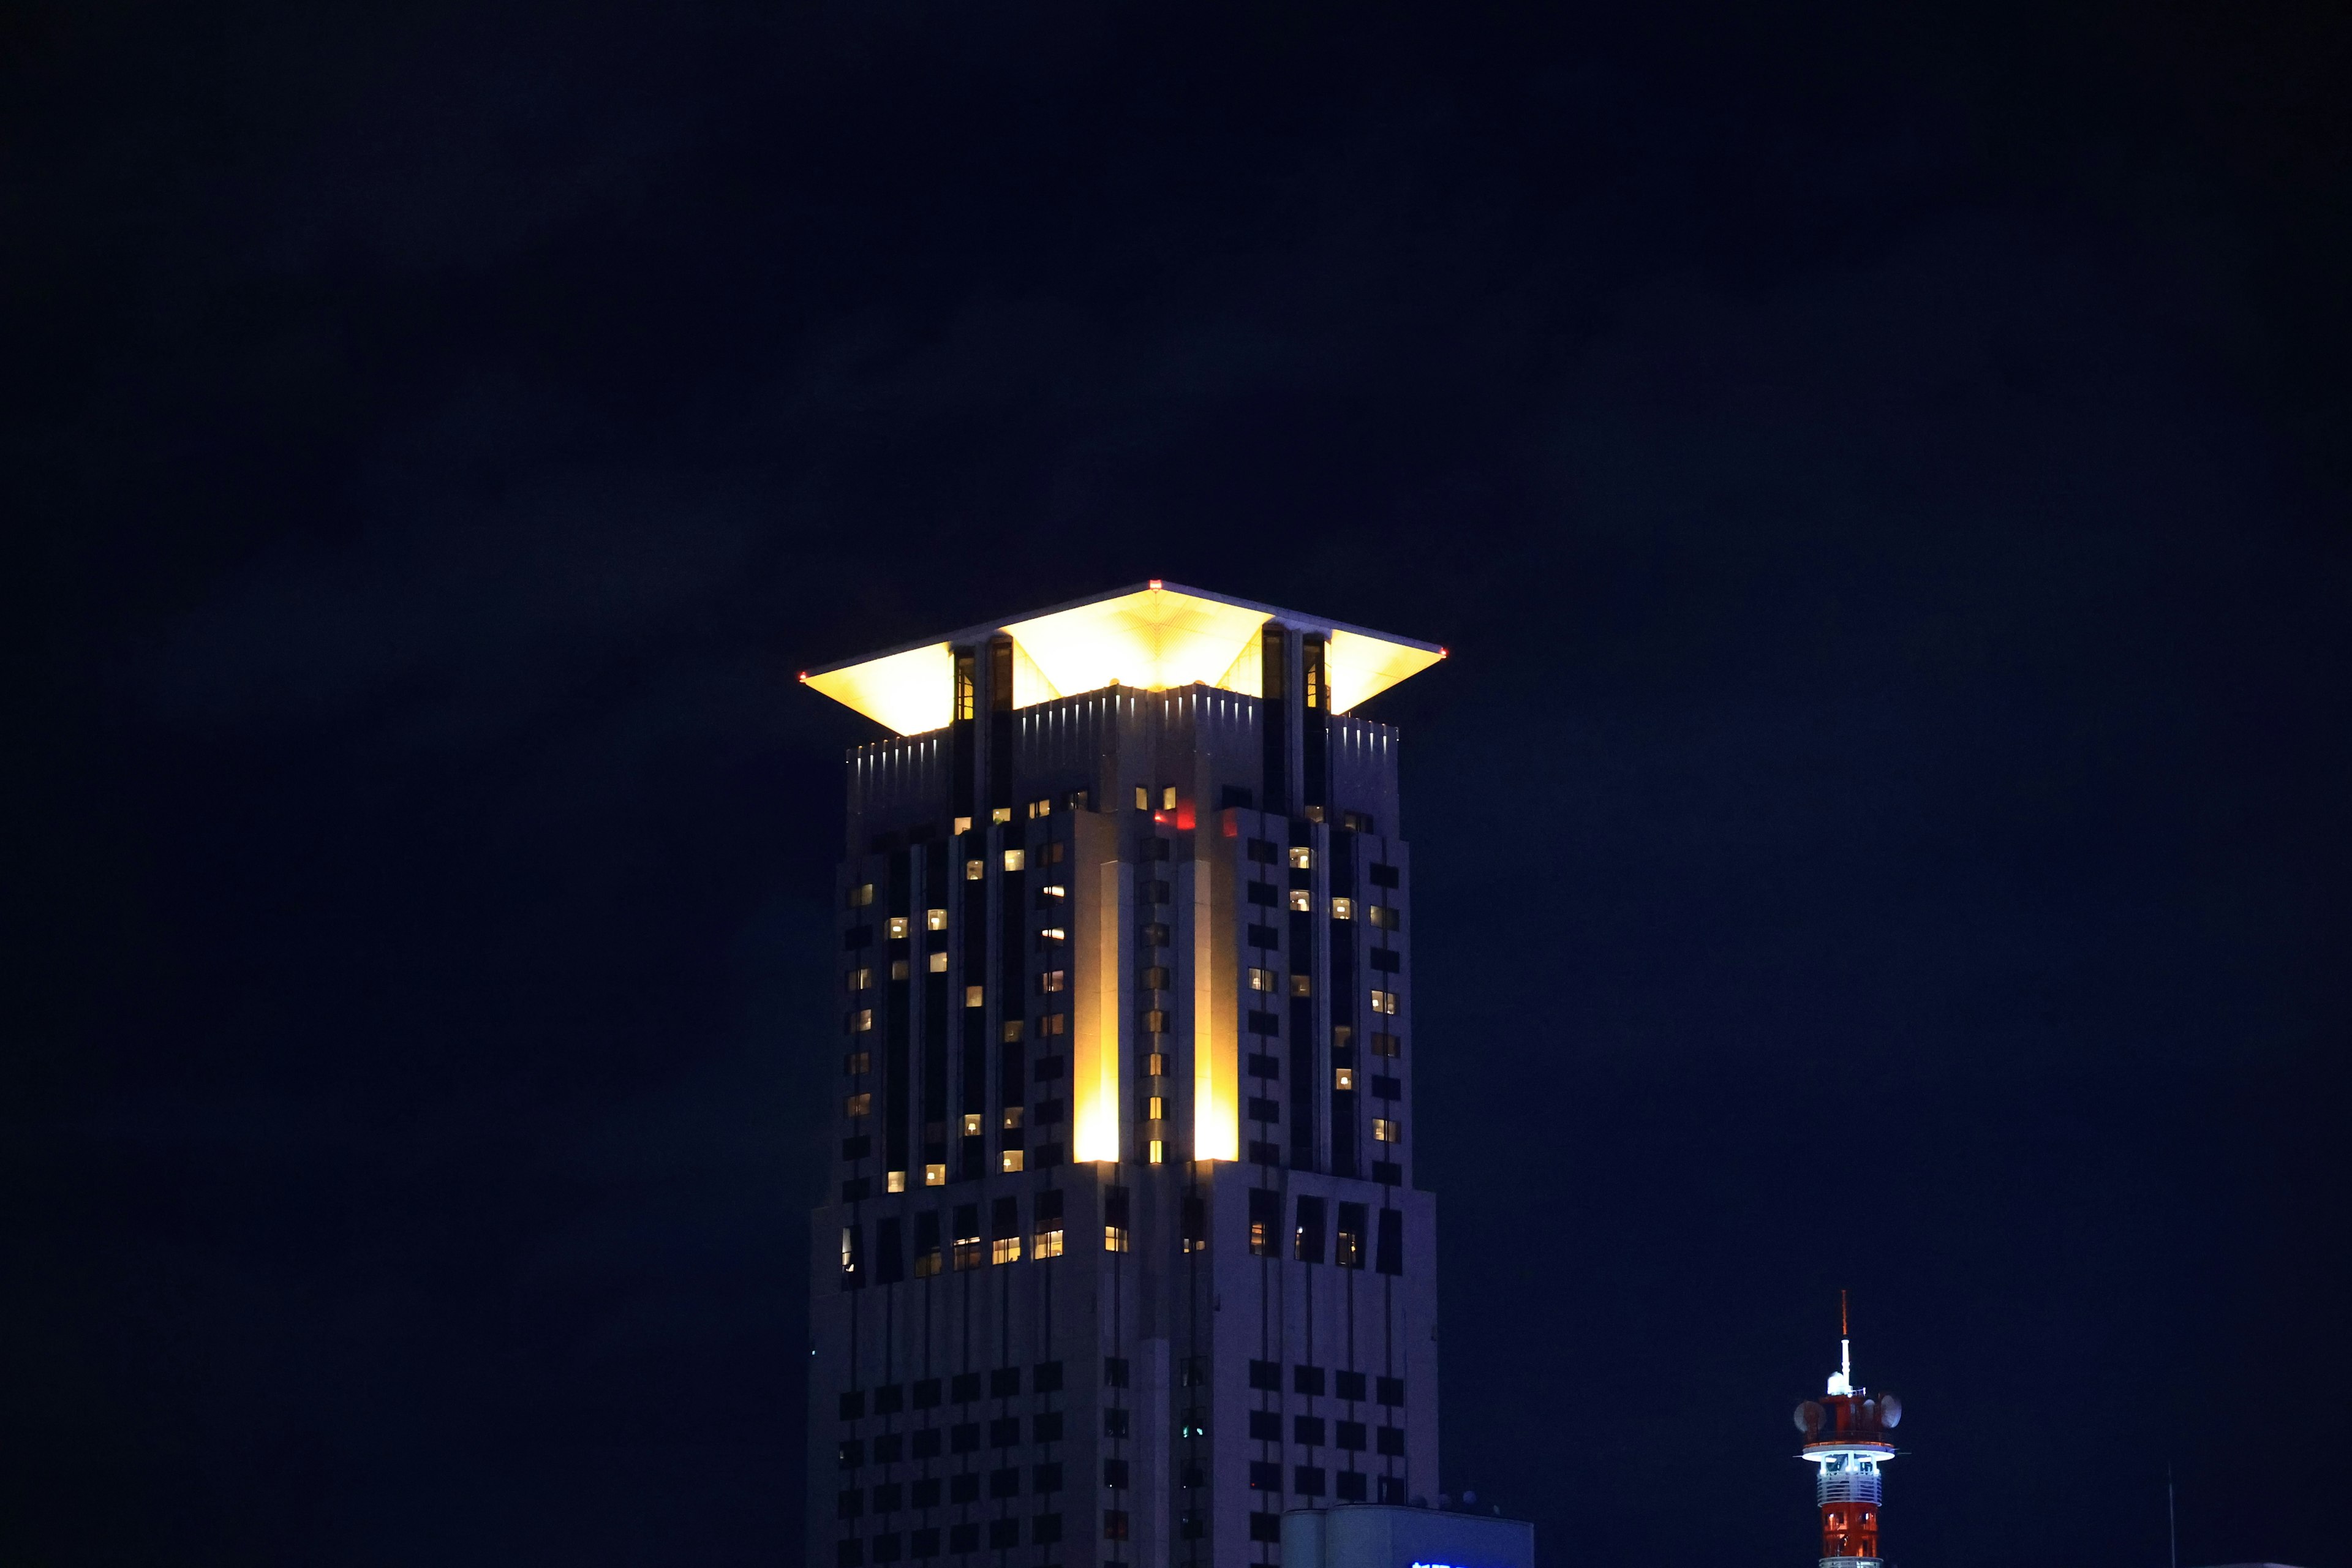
(1846, 1436)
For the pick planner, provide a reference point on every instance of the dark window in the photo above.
(1350, 1253)
(1351, 1486)
(1194, 1475)
(1047, 1428)
(1263, 1110)
(885, 1549)
(1114, 1524)
(1351, 1384)
(1383, 876)
(1386, 1087)
(1391, 1489)
(1004, 1533)
(856, 937)
(1306, 1429)
(1263, 1023)
(1114, 1372)
(964, 1489)
(1306, 1246)
(858, 1148)
(927, 1493)
(853, 1405)
(1193, 1222)
(1307, 1480)
(849, 1555)
(963, 1537)
(1262, 1152)
(927, 1390)
(1046, 1478)
(966, 1387)
(1115, 1474)
(1265, 1475)
(890, 1399)
(927, 1443)
(1114, 1423)
(1266, 1426)
(1004, 1482)
(1391, 1442)
(1390, 1256)
(924, 1543)
(963, 1438)
(886, 1448)
(1047, 1378)
(1005, 1381)
(1191, 1526)
(1386, 962)
(1116, 1207)
(886, 1498)
(1046, 1528)
(1263, 893)
(1265, 1527)
(849, 1504)
(1263, 851)
(1265, 936)
(1388, 1173)
(1389, 1391)
(1193, 1372)
(853, 1453)
(1307, 1379)
(1004, 1431)
(1351, 1437)
(1264, 1066)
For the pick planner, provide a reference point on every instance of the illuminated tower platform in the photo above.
(1846, 1437)
(1122, 1256)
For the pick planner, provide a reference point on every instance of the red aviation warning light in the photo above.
(1846, 1436)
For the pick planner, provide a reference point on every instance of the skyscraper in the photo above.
(1121, 1255)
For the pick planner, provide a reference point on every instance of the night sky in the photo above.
(1882, 472)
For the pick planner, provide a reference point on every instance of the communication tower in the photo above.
(1845, 1434)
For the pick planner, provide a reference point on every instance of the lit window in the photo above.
(1054, 980)
(1114, 1238)
(861, 979)
(969, 1251)
(849, 1249)
(1142, 797)
(898, 928)
(1054, 1024)
(1384, 1044)
(1050, 937)
(1384, 1002)
(857, 1105)
(1302, 859)
(1343, 1077)
(861, 895)
(1038, 808)
(975, 995)
(1002, 813)
(939, 963)
(935, 1175)
(897, 969)
(1388, 916)
(967, 687)
(896, 1181)
(1012, 1117)
(975, 871)
(935, 920)
(1052, 891)
(1008, 1247)
(1301, 900)
(1343, 909)
(1154, 978)
(861, 1021)
(962, 825)
(1047, 1243)
(972, 1125)
(1156, 1108)
(1155, 1021)
(1012, 1030)
(856, 1062)
(1302, 985)
(1016, 859)
(1387, 1131)
(1261, 978)
(1156, 1065)
(1167, 798)
(1157, 1151)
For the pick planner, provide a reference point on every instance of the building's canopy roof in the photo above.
(1155, 636)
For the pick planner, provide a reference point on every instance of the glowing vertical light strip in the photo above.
(1100, 883)
(1216, 1109)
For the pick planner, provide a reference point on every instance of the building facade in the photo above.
(1121, 1257)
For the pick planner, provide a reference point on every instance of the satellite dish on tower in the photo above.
(1890, 1411)
(1809, 1417)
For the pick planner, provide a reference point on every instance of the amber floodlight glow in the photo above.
(1155, 636)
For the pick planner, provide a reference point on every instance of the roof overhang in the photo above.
(1155, 636)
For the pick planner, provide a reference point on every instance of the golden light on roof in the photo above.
(1156, 636)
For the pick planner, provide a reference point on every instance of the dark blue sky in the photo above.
(1882, 473)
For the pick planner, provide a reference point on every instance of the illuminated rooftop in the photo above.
(1154, 636)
